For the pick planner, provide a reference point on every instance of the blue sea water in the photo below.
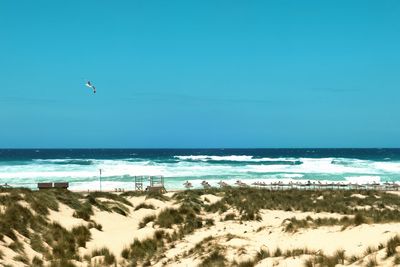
(80, 167)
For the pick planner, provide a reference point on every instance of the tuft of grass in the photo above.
(278, 252)
(37, 243)
(391, 246)
(18, 218)
(119, 210)
(326, 261)
(109, 258)
(248, 263)
(371, 262)
(95, 225)
(84, 211)
(297, 252)
(125, 253)
(62, 263)
(262, 254)
(210, 222)
(220, 206)
(190, 200)
(396, 259)
(146, 220)
(37, 262)
(111, 196)
(359, 219)
(169, 217)
(156, 195)
(159, 235)
(133, 194)
(201, 246)
(353, 259)
(16, 246)
(230, 236)
(215, 259)
(71, 199)
(229, 217)
(191, 224)
(21, 258)
(65, 243)
(340, 256)
(189, 196)
(144, 206)
(81, 235)
(369, 250)
(308, 263)
(293, 224)
(143, 251)
(42, 201)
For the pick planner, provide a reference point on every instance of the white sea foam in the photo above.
(291, 175)
(390, 167)
(198, 168)
(320, 165)
(238, 158)
(216, 158)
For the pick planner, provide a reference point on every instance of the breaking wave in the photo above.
(239, 159)
(71, 162)
(177, 168)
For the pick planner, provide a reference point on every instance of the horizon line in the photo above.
(189, 148)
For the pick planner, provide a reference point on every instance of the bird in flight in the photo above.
(90, 85)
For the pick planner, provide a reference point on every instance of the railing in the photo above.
(77, 186)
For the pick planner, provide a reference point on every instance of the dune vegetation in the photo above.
(187, 228)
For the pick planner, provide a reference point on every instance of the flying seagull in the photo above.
(90, 85)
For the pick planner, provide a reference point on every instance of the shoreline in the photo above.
(305, 185)
(119, 167)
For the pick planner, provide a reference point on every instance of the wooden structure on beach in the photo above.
(59, 185)
(156, 184)
(139, 183)
(327, 186)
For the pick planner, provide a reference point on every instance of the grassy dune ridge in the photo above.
(188, 227)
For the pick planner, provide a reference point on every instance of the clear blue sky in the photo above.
(200, 73)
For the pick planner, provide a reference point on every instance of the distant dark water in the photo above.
(368, 153)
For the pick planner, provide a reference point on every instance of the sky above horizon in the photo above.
(175, 74)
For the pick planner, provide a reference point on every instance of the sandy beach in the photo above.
(199, 133)
(231, 227)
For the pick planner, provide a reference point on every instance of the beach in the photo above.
(221, 207)
(119, 167)
(208, 227)
(199, 133)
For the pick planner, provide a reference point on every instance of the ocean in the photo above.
(80, 167)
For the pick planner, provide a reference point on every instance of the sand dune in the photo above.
(227, 232)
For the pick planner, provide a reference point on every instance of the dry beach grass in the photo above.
(210, 227)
